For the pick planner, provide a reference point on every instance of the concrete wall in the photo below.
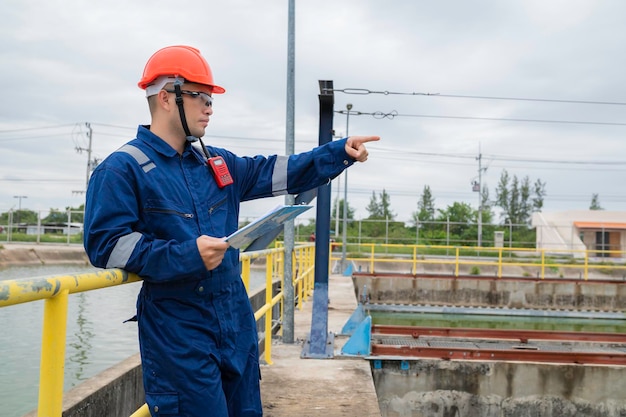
(431, 388)
(13, 254)
(493, 292)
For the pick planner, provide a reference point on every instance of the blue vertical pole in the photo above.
(320, 343)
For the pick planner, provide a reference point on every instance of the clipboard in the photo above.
(268, 222)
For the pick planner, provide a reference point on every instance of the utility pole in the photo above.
(345, 198)
(90, 163)
(19, 206)
(337, 208)
(288, 315)
(479, 187)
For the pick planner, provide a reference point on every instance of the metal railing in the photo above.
(541, 260)
(55, 290)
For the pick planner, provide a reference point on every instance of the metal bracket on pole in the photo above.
(355, 319)
(360, 343)
(319, 344)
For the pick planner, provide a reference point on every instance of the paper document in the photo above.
(273, 219)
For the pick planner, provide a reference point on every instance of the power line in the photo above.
(33, 137)
(114, 126)
(393, 114)
(35, 128)
(365, 91)
(53, 180)
(505, 119)
(500, 157)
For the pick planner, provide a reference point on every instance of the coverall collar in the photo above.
(145, 135)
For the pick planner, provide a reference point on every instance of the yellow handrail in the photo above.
(486, 256)
(55, 292)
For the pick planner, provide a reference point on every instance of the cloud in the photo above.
(71, 62)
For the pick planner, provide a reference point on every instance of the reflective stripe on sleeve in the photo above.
(142, 159)
(279, 176)
(122, 250)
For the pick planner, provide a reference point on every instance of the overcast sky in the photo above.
(68, 63)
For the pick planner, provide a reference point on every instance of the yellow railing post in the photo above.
(143, 411)
(500, 263)
(586, 271)
(245, 272)
(372, 259)
(311, 277)
(456, 263)
(415, 260)
(268, 301)
(298, 274)
(52, 367)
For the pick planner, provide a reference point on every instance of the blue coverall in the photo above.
(145, 207)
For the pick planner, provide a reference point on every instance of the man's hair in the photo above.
(152, 103)
(152, 100)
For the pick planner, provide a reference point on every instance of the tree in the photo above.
(57, 216)
(540, 193)
(425, 208)
(380, 207)
(19, 216)
(374, 208)
(425, 215)
(517, 200)
(385, 203)
(595, 203)
(349, 213)
(486, 214)
(462, 220)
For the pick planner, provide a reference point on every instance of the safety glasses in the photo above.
(207, 99)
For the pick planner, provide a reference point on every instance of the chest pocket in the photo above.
(168, 220)
(218, 217)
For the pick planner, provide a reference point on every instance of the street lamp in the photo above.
(345, 197)
(19, 197)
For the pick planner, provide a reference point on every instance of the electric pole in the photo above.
(344, 241)
(289, 230)
(478, 186)
(480, 198)
(91, 164)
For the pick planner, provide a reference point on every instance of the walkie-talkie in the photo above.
(220, 171)
(218, 168)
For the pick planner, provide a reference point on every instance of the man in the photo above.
(160, 207)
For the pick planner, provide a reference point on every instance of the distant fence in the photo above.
(385, 231)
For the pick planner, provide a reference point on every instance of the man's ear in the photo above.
(163, 99)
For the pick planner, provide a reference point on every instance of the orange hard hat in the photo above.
(179, 61)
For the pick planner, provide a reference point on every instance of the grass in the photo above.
(44, 238)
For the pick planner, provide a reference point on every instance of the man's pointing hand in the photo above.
(355, 146)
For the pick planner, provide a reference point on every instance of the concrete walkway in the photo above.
(295, 387)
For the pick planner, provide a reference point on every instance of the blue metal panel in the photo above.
(320, 342)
